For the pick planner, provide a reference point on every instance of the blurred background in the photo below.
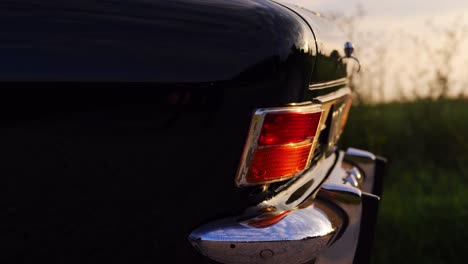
(411, 106)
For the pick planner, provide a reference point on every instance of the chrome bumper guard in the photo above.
(332, 220)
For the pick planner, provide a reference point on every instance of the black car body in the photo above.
(136, 132)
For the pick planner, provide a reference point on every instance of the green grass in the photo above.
(423, 216)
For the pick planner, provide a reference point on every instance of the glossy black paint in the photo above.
(158, 41)
(168, 41)
(150, 101)
(330, 40)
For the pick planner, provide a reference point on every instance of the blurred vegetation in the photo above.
(404, 64)
(416, 115)
(423, 216)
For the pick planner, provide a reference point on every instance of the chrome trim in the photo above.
(292, 194)
(353, 177)
(306, 231)
(283, 198)
(359, 153)
(254, 133)
(300, 104)
(351, 180)
(333, 96)
(323, 228)
(340, 188)
(358, 156)
(335, 182)
(321, 103)
(349, 199)
(355, 173)
(365, 161)
(303, 233)
(309, 222)
(339, 97)
(324, 85)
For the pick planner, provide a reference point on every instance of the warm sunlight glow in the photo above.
(407, 49)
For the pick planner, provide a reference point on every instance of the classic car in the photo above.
(203, 131)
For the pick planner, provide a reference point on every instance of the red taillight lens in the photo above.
(275, 162)
(280, 144)
(283, 128)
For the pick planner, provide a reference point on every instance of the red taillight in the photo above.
(283, 128)
(280, 144)
(278, 161)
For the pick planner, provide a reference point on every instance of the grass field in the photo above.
(424, 209)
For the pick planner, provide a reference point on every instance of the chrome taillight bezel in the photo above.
(340, 99)
(254, 134)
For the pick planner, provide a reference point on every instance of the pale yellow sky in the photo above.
(395, 25)
(394, 14)
(393, 8)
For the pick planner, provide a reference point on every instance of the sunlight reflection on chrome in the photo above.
(300, 224)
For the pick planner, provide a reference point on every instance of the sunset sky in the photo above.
(393, 24)
(395, 9)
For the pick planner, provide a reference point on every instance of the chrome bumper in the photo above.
(328, 221)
